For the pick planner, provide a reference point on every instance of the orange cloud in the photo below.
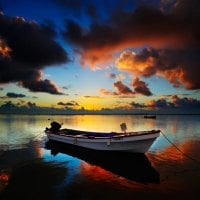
(107, 92)
(173, 37)
(122, 89)
(145, 26)
(140, 87)
(128, 62)
(179, 67)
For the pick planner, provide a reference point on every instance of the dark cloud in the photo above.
(8, 105)
(79, 9)
(137, 105)
(174, 103)
(141, 87)
(112, 75)
(122, 89)
(159, 104)
(31, 105)
(170, 95)
(68, 104)
(173, 34)
(20, 102)
(1, 88)
(95, 10)
(93, 97)
(25, 49)
(185, 102)
(15, 95)
(41, 86)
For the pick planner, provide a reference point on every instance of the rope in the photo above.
(30, 138)
(35, 136)
(186, 155)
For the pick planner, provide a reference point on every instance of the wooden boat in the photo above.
(136, 142)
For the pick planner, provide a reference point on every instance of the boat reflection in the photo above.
(132, 166)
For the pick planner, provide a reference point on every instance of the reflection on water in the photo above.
(131, 166)
(4, 178)
(18, 130)
(28, 168)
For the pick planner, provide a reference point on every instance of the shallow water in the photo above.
(33, 168)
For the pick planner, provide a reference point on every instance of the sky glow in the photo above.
(63, 56)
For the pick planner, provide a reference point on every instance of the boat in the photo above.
(150, 116)
(135, 142)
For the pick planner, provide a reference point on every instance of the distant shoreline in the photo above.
(97, 114)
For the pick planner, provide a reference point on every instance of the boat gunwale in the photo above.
(124, 135)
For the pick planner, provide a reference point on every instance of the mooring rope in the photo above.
(186, 155)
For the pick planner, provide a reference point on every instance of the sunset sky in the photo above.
(109, 56)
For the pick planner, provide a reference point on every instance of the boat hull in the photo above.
(134, 143)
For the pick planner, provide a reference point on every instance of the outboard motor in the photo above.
(55, 126)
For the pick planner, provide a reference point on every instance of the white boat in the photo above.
(136, 142)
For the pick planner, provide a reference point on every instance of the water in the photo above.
(32, 168)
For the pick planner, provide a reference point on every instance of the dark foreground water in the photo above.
(33, 168)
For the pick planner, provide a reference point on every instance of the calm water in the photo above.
(31, 168)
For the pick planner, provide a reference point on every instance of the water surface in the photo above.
(33, 168)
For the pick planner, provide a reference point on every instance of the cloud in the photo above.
(68, 104)
(170, 95)
(145, 25)
(107, 92)
(15, 95)
(185, 102)
(25, 49)
(8, 105)
(31, 105)
(179, 67)
(140, 87)
(41, 86)
(137, 105)
(93, 97)
(172, 35)
(174, 103)
(159, 104)
(122, 88)
(90, 8)
(111, 75)
(129, 62)
(20, 102)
